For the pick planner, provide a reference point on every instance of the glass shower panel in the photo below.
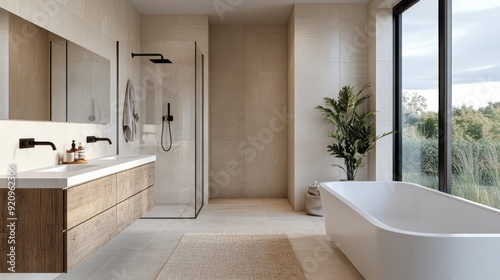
(174, 89)
(199, 100)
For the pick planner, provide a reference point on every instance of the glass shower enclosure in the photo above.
(174, 90)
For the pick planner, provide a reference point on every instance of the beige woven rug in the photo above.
(232, 256)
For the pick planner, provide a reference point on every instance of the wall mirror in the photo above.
(44, 77)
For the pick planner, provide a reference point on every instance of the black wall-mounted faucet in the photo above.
(25, 143)
(93, 139)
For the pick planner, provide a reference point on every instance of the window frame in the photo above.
(444, 91)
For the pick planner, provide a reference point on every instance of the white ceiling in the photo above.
(230, 11)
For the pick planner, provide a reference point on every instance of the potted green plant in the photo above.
(353, 135)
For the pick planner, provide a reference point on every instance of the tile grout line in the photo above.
(100, 269)
(227, 215)
(267, 217)
(157, 233)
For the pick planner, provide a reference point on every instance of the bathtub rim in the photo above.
(379, 224)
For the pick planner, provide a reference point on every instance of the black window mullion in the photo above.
(445, 108)
(398, 88)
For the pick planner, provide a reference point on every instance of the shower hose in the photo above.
(169, 132)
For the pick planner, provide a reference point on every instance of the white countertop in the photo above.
(92, 170)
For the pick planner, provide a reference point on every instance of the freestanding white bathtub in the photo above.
(403, 231)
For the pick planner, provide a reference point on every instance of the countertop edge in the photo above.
(100, 168)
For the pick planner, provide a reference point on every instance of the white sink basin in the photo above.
(118, 157)
(109, 158)
(66, 168)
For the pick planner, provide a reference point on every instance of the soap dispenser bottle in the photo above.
(74, 150)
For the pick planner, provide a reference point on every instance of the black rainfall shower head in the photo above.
(154, 60)
(160, 60)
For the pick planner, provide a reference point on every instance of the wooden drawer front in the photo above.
(87, 200)
(134, 180)
(133, 208)
(38, 231)
(89, 236)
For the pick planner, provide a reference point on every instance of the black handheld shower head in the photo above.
(154, 60)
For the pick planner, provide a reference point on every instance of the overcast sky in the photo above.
(476, 44)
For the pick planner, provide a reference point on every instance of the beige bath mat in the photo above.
(232, 256)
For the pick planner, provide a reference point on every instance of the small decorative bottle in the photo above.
(81, 151)
(69, 157)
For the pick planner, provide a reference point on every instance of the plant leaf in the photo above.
(354, 127)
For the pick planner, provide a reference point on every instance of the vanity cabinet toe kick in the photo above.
(57, 228)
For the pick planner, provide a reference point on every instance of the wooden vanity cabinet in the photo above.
(133, 199)
(59, 228)
(89, 236)
(90, 219)
(132, 181)
(38, 233)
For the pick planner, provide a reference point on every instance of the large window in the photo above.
(476, 101)
(420, 94)
(433, 92)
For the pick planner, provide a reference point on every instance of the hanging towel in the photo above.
(130, 116)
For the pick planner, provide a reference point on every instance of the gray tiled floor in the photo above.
(140, 251)
(170, 211)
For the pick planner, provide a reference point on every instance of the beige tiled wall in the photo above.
(248, 125)
(327, 55)
(380, 72)
(95, 25)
